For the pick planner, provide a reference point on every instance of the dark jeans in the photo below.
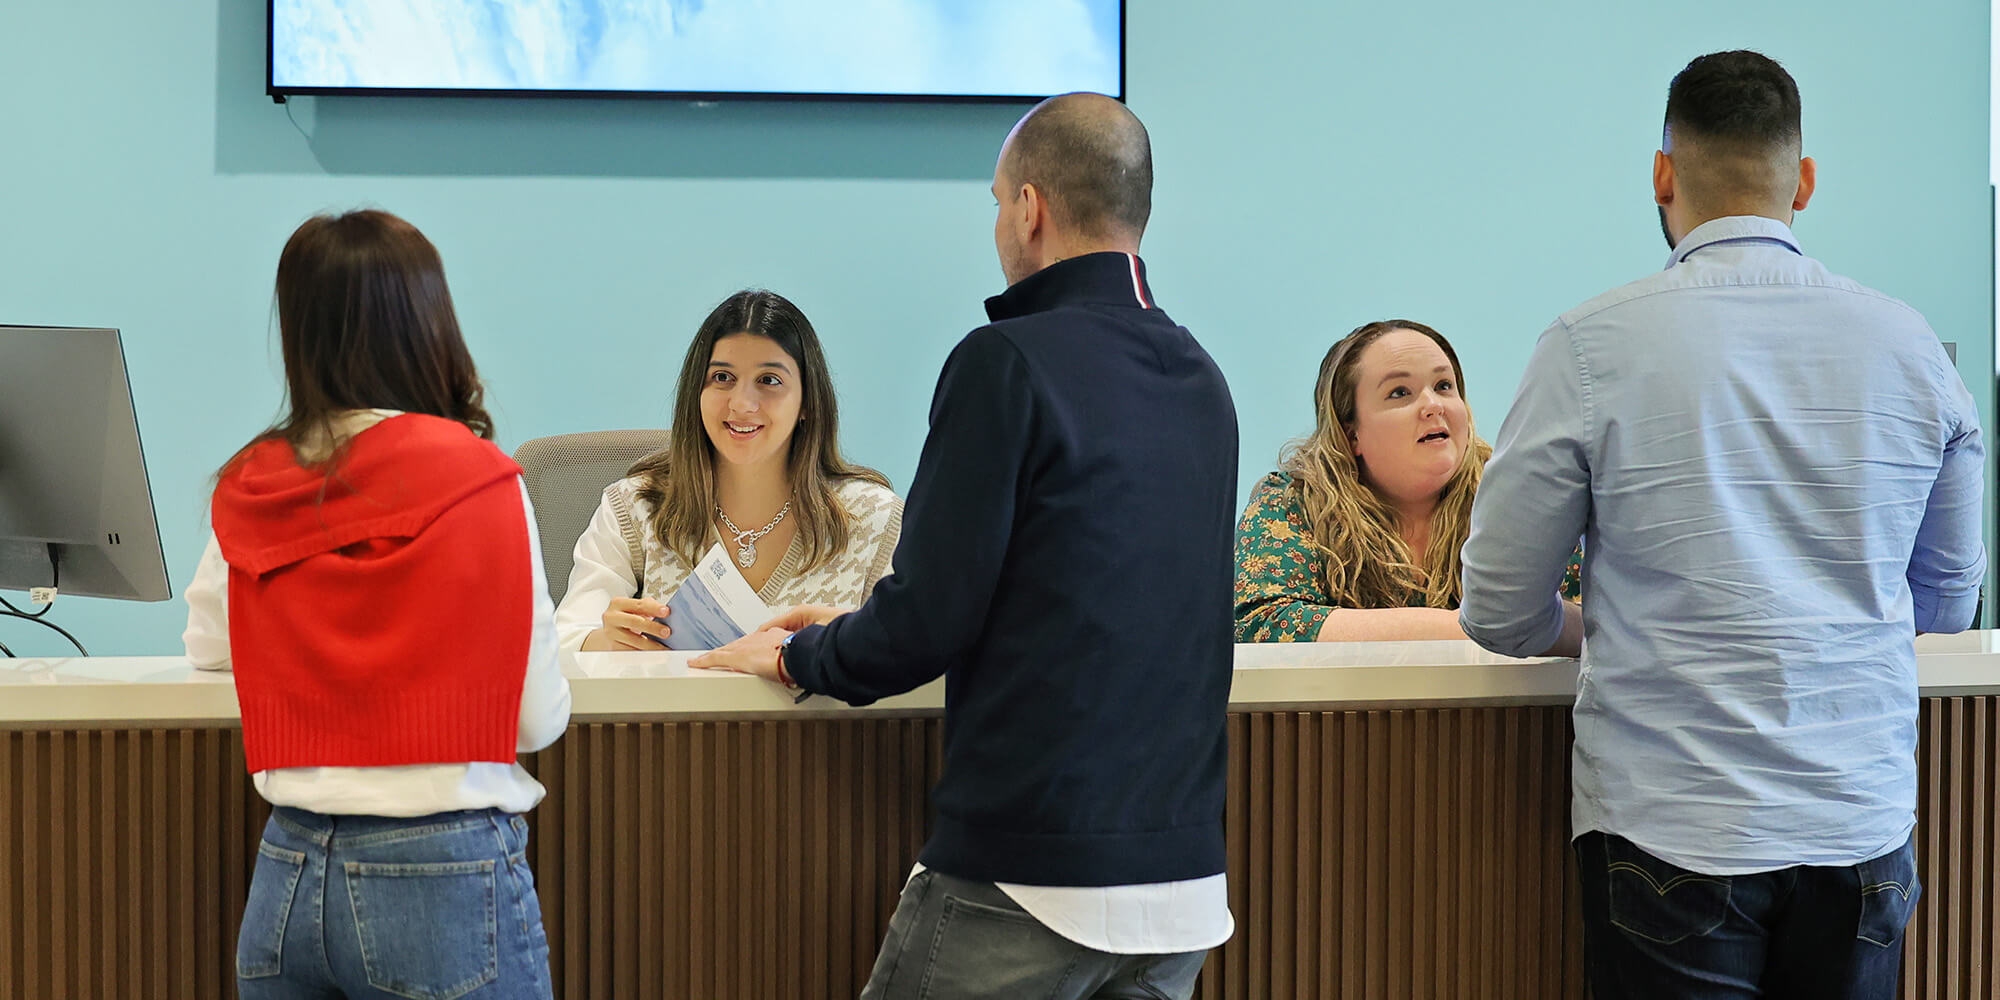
(953, 939)
(432, 908)
(1651, 929)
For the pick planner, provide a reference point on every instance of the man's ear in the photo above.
(1663, 179)
(1808, 177)
(1034, 218)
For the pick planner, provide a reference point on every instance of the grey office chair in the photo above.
(566, 476)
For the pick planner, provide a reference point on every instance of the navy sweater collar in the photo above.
(1109, 278)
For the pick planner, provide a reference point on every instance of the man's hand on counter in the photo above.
(755, 654)
(760, 653)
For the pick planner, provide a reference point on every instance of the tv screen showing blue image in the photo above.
(951, 49)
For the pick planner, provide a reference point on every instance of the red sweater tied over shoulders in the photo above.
(379, 614)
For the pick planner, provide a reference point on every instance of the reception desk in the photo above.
(1397, 817)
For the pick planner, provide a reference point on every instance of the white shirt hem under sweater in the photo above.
(1155, 918)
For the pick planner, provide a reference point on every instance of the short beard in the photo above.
(1664, 231)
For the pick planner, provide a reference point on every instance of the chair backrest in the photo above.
(566, 476)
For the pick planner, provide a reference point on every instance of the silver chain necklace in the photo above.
(746, 541)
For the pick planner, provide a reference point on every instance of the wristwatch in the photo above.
(785, 676)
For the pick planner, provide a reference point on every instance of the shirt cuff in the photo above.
(1519, 639)
(1937, 611)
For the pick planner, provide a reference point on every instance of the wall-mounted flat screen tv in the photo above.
(993, 50)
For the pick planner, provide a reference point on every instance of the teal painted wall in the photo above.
(1479, 167)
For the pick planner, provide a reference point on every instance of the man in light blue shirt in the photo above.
(1778, 475)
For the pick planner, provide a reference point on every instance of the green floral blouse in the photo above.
(1280, 578)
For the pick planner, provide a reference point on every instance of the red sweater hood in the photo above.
(391, 481)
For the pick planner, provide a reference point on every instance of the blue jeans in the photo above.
(429, 908)
(1653, 930)
(955, 939)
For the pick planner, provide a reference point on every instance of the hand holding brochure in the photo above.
(714, 607)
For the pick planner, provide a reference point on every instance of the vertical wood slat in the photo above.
(1257, 875)
(33, 868)
(1983, 885)
(132, 860)
(1424, 857)
(154, 878)
(1305, 939)
(1380, 853)
(57, 930)
(1468, 864)
(14, 803)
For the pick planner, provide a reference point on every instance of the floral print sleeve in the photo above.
(1279, 596)
(1572, 585)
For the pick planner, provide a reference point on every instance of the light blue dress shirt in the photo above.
(1778, 476)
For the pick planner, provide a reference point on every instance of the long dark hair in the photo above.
(365, 321)
(680, 480)
(1368, 565)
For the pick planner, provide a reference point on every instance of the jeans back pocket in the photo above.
(427, 931)
(981, 950)
(1658, 901)
(260, 940)
(1889, 894)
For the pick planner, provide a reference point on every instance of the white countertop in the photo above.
(164, 691)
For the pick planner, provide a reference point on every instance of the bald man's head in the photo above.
(1090, 158)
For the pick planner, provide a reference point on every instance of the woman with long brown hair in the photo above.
(752, 464)
(383, 735)
(1357, 536)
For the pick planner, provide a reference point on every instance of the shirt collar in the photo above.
(1734, 228)
(1109, 278)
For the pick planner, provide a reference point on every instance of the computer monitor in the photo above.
(75, 505)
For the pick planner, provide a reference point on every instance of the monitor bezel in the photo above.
(148, 551)
(280, 94)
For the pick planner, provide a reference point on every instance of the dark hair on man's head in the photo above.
(1090, 157)
(1740, 100)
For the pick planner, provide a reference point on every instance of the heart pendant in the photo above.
(746, 555)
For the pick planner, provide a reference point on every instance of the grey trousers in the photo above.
(953, 939)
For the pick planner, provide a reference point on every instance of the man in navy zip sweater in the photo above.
(1066, 565)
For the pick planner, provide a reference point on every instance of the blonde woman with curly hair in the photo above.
(1356, 536)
